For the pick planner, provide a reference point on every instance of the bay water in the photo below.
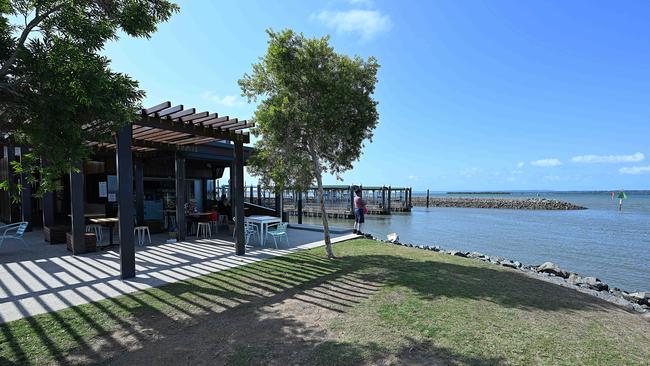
(601, 241)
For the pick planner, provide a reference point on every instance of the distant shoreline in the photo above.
(499, 203)
(478, 192)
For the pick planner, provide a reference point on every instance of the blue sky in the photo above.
(473, 95)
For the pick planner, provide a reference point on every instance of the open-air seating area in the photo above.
(38, 277)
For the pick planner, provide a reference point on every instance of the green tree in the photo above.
(315, 112)
(56, 91)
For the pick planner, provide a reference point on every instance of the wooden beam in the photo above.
(176, 116)
(207, 118)
(241, 126)
(215, 120)
(168, 111)
(163, 146)
(191, 129)
(157, 108)
(194, 116)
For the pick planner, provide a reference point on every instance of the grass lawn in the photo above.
(377, 304)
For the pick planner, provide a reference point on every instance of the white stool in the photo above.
(139, 232)
(204, 230)
(97, 229)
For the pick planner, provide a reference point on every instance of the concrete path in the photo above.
(41, 278)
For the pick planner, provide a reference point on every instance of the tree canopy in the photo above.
(54, 84)
(316, 110)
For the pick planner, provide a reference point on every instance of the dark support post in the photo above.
(139, 191)
(77, 211)
(48, 209)
(259, 195)
(10, 154)
(352, 199)
(25, 198)
(125, 207)
(383, 198)
(427, 198)
(204, 194)
(238, 199)
(47, 203)
(181, 228)
(278, 203)
(300, 207)
(410, 197)
(251, 194)
(389, 193)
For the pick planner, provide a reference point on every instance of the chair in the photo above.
(280, 231)
(18, 229)
(139, 232)
(97, 229)
(250, 230)
(204, 229)
(214, 221)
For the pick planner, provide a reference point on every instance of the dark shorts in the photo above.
(359, 216)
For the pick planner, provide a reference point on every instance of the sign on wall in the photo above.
(103, 189)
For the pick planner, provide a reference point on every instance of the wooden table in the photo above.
(108, 221)
(264, 222)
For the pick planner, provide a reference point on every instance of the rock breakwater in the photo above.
(503, 203)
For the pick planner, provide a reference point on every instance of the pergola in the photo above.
(166, 128)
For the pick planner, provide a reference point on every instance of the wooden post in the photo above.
(352, 199)
(389, 194)
(139, 191)
(300, 207)
(251, 194)
(259, 194)
(77, 211)
(204, 195)
(10, 154)
(25, 198)
(48, 209)
(125, 207)
(410, 197)
(181, 227)
(278, 203)
(383, 199)
(427, 198)
(238, 201)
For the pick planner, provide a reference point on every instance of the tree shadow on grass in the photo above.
(278, 307)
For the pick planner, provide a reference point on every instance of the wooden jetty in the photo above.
(339, 200)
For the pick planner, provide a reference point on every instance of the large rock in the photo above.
(552, 268)
(640, 297)
(392, 238)
(594, 284)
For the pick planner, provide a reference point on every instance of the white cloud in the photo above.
(227, 101)
(633, 158)
(367, 23)
(414, 177)
(468, 173)
(520, 164)
(546, 162)
(635, 170)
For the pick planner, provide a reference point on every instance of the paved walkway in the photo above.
(41, 278)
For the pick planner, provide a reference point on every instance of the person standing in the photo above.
(359, 212)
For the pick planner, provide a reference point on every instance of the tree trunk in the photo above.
(326, 228)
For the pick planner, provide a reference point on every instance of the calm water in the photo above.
(601, 241)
